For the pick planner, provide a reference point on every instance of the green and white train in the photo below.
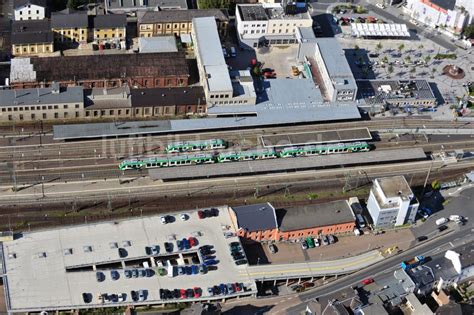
(199, 145)
(230, 156)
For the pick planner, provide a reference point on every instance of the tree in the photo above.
(469, 31)
(379, 47)
(421, 46)
(408, 59)
(390, 69)
(412, 70)
(72, 4)
(427, 59)
(385, 59)
(435, 185)
(401, 47)
(214, 4)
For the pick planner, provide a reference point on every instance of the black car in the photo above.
(176, 294)
(134, 295)
(169, 247)
(87, 297)
(207, 213)
(216, 290)
(189, 293)
(442, 228)
(122, 252)
(162, 294)
(422, 238)
(214, 212)
(241, 262)
(234, 244)
(100, 276)
(238, 257)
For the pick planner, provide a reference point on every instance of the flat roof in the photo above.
(157, 44)
(335, 61)
(317, 215)
(394, 186)
(41, 96)
(284, 101)
(256, 217)
(379, 91)
(314, 137)
(208, 46)
(285, 165)
(50, 269)
(253, 12)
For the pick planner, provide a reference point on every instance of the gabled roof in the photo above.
(256, 217)
(20, 3)
(31, 32)
(110, 21)
(180, 15)
(69, 19)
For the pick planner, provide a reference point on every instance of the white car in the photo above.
(184, 216)
(164, 220)
(379, 5)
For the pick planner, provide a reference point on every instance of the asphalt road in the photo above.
(464, 233)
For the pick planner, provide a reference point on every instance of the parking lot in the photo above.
(68, 260)
(345, 246)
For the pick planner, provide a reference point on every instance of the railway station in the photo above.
(297, 164)
(306, 138)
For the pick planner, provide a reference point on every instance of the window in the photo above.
(76, 106)
(111, 112)
(47, 48)
(56, 115)
(65, 106)
(21, 109)
(21, 116)
(10, 117)
(44, 116)
(120, 34)
(77, 114)
(24, 49)
(55, 106)
(33, 116)
(88, 113)
(50, 107)
(66, 114)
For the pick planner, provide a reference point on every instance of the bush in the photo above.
(445, 56)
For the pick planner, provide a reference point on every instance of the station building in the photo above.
(214, 74)
(270, 23)
(400, 93)
(133, 7)
(178, 22)
(41, 103)
(105, 71)
(32, 38)
(392, 202)
(262, 222)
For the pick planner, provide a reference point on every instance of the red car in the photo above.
(368, 281)
(183, 293)
(201, 214)
(197, 292)
(192, 241)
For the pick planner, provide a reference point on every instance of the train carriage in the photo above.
(247, 155)
(198, 145)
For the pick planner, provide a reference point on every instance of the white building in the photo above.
(453, 15)
(392, 202)
(269, 24)
(29, 9)
(213, 71)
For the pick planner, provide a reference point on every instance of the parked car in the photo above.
(331, 239)
(179, 245)
(164, 220)
(168, 247)
(272, 248)
(192, 241)
(210, 290)
(134, 295)
(304, 246)
(189, 293)
(184, 216)
(197, 292)
(230, 288)
(214, 212)
(189, 270)
(210, 262)
(442, 228)
(182, 293)
(87, 297)
(223, 288)
(241, 262)
(324, 240)
(202, 269)
(100, 276)
(127, 273)
(114, 274)
(422, 238)
(201, 214)
(195, 269)
(142, 295)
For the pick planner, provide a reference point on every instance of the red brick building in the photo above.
(98, 71)
(261, 222)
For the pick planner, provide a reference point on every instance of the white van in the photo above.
(441, 221)
(171, 271)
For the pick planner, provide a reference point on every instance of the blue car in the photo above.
(210, 262)
(179, 244)
(185, 243)
(195, 269)
(189, 270)
(223, 288)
